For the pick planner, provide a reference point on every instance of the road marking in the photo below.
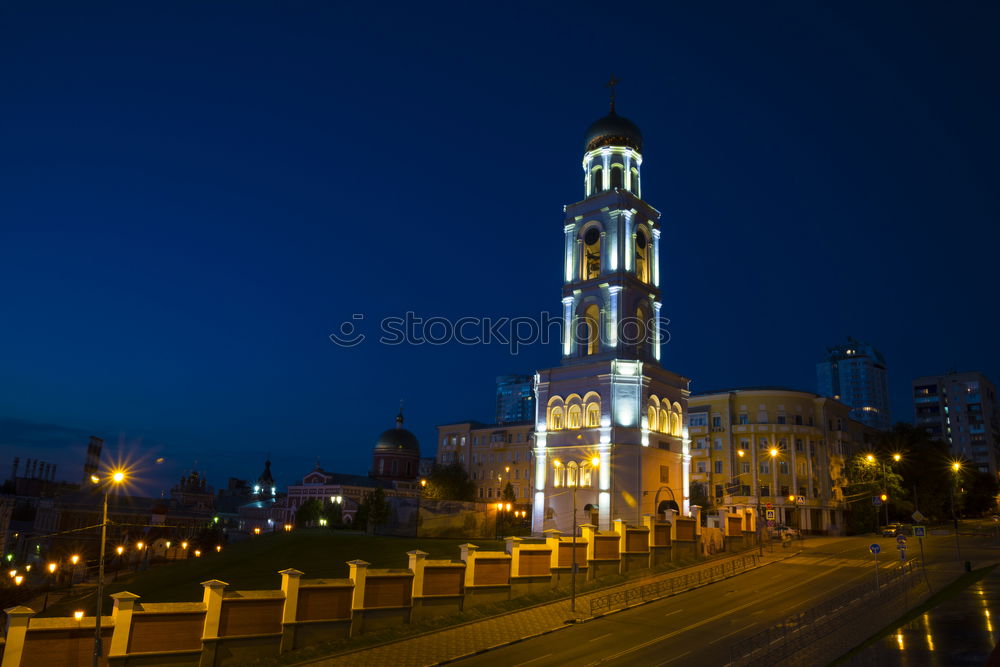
(719, 639)
(606, 634)
(702, 622)
(676, 657)
(671, 613)
(528, 662)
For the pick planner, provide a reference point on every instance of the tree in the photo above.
(980, 493)
(509, 495)
(450, 482)
(375, 509)
(309, 513)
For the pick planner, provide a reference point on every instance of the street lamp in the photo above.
(956, 469)
(114, 479)
(574, 484)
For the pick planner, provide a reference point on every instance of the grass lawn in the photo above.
(253, 564)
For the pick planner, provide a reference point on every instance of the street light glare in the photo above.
(956, 466)
(95, 479)
(596, 461)
(870, 458)
(774, 452)
(118, 476)
(896, 457)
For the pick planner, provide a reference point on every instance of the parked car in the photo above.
(781, 530)
(892, 529)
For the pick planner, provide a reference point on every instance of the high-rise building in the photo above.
(515, 399)
(855, 374)
(961, 409)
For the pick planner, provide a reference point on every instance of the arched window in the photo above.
(676, 425)
(585, 476)
(642, 257)
(556, 419)
(617, 176)
(572, 472)
(635, 182)
(591, 259)
(558, 474)
(574, 416)
(593, 415)
(651, 418)
(596, 180)
(592, 321)
(664, 425)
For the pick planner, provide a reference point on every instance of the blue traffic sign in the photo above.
(918, 531)
(875, 549)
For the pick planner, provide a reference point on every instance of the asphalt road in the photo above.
(699, 627)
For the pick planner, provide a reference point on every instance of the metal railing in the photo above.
(784, 640)
(679, 583)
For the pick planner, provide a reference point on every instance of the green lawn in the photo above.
(254, 564)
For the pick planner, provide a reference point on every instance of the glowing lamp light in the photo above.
(52, 568)
(774, 452)
(139, 546)
(423, 482)
(120, 550)
(197, 553)
(74, 559)
(288, 527)
(956, 466)
(507, 507)
(870, 458)
(256, 530)
(218, 548)
(27, 568)
(791, 498)
(896, 457)
(168, 544)
(117, 476)
(95, 479)
(184, 545)
(78, 615)
(18, 579)
(595, 461)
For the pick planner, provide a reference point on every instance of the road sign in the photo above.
(770, 515)
(901, 539)
(876, 501)
(875, 548)
(770, 523)
(800, 500)
(917, 516)
(769, 506)
(918, 531)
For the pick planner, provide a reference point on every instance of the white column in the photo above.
(570, 247)
(613, 292)
(656, 329)
(538, 506)
(629, 241)
(567, 325)
(686, 471)
(656, 257)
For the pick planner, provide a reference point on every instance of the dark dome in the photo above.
(396, 439)
(613, 130)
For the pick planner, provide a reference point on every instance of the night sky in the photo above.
(193, 196)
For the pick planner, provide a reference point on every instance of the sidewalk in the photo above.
(450, 644)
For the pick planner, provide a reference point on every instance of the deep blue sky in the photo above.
(194, 195)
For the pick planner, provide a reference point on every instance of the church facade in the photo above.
(609, 430)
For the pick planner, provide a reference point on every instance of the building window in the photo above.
(782, 467)
(592, 322)
(617, 173)
(573, 420)
(596, 180)
(718, 467)
(765, 489)
(664, 474)
(556, 419)
(558, 474)
(716, 421)
(718, 444)
(798, 445)
(798, 420)
(781, 419)
(593, 415)
(701, 466)
(635, 182)
(744, 418)
(745, 467)
(642, 257)
(765, 468)
(784, 491)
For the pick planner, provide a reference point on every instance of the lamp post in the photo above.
(74, 559)
(574, 484)
(956, 469)
(116, 478)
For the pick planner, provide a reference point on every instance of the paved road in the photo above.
(699, 627)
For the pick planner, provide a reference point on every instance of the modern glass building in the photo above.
(855, 374)
(515, 399)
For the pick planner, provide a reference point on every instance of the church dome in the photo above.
(397, 439)
(613, 130)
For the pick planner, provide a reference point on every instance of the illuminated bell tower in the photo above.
(610, 420)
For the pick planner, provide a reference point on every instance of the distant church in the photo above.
(610, 419)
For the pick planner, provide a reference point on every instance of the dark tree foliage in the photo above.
(309, 513)
(978, 493)
(374, 509)
(450, 482)
(509, 495)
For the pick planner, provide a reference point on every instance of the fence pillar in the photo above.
(587, 532)
(514, 549)
(552, 540)
(212, 599)
(17, 629)
(358, 573)
(469, 556)
(620, 527)
(122, 616)
(418, 561)
(291, 579)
